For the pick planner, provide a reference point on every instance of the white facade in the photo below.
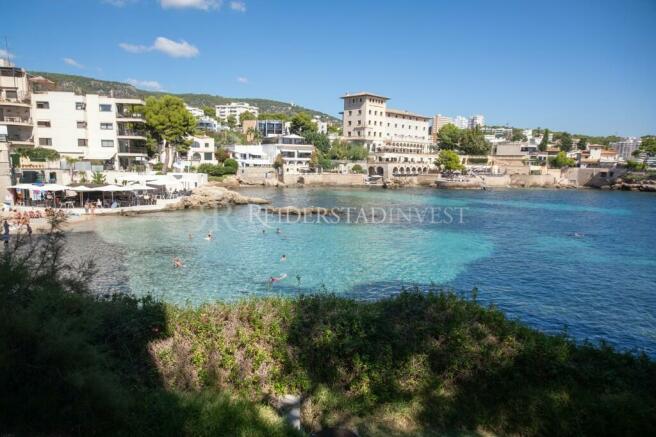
(461, 122)
(90, 127)
(196, 112)
(626, 147)
(322, 126)
(235, 109)
(476, 121)
(201, 151)
(207, 123)
(295, 156)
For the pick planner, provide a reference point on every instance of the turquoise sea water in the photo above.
(584, 261)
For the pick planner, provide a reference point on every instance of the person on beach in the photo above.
(29, 230)
(92, 207)
(5, 234)
(99, 203)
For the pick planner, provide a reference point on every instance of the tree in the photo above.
(39, 154)
(169, 123)
(314, 160)
(566, 142)
(544, 144)
(473, 142)
(221, 154)
(448, 160)
(357, 152)
(254, 134)
(357, 169)
(209, 111)
(231, 121)
(230, 166)
(582, 144)
(246, 116)
(518, 135)
(448, 137)
(279, 162)
(648, 145)
(561, 160)
(318, 140)
(303, 124)
(97, 177)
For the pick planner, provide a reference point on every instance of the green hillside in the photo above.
(87, 85)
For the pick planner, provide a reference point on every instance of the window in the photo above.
(208, 156)
(359, 122)
(82, 142)
(107, 143)
(370, 112)
(106, 126)
(80, 106)
(195, 145)
(349, 123)
(43, 105)
(359, 111)
(81, 124)
(350, 112)
(45, 141)
(43, 123)
(207, 145)
(105, 107)
(349, 133)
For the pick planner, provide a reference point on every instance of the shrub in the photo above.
(357, 169)
(158, 166)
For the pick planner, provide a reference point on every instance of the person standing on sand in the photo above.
(5, 233)
(29, 229)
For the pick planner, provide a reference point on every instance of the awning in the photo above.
(45, 187)
(140, 188)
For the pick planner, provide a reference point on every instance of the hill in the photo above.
(88, 85)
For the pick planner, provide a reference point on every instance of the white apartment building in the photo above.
(196, 112)
(295, 154)
(235, 109)
(201, 151)
(476, 121)
(626, 147)
(99, 130)
(322, 126)
(461, 122)
(393, 137)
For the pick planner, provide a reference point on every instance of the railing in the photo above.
(21, 139)
(17, 120)
(131, 149)
(131, 133)
(130, 115)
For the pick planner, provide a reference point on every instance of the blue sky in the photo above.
(582, 66)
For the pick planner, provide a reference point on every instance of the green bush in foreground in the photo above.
(417, 363)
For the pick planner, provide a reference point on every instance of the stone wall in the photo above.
(333, 179)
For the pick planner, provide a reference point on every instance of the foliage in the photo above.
(278, 162)
(231, 121)
(544, 144)
(636, 165)
(314, 160)
(98, 178)
(448, 137)
(225, 138)
(561, 160)
(247, 115)
(518, 135)
(566, 142)
(345, 150)
(473, 142)
(302, 124)
(318, 140)
(158, 166)
(648, 145)
(418, 363)
(221, 154)
(39, 154)
(209, 111)
(448, 160)
(357, 169)
(274, 116)
(229, 167)
(582, 143)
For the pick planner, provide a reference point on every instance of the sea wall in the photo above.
(326, 179)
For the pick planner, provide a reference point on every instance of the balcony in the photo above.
(19, 140)
(132, 133)
(16, 121)
(130, 116)
(127, 148)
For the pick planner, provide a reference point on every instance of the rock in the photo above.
(215, 197)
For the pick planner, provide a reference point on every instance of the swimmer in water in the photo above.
(190, 236)
(278, 231)
(209, 237)
(274, 279)
(177, 263)
(283, 258)
(263, 231)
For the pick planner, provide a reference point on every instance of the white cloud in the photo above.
(72, 62)
(151, 85)
(119, 3)
(5, 54)
(174, 49)
(204, 5)
(134, 48)
(238, 6)
(242, 79)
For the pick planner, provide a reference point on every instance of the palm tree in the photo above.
(97, 178)
(71, 165)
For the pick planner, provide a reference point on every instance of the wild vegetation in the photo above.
(417, 363)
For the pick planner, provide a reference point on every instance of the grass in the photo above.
(415, 364)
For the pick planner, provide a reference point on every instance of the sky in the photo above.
(582, 66)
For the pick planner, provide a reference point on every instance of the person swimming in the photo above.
(283, 258)
(274, 279)
(278, 231)
(177, 262)
(209, 237)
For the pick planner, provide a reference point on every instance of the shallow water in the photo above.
(584, 261)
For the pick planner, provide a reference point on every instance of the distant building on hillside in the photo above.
(476, 121)
(235, 109)
(208, 124)
(196, 112)
(461, 122)
(626, 146)
(322, 126)
(439, 121)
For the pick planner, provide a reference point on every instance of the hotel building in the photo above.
(235, 109)
(399, 141)
(292, 148)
